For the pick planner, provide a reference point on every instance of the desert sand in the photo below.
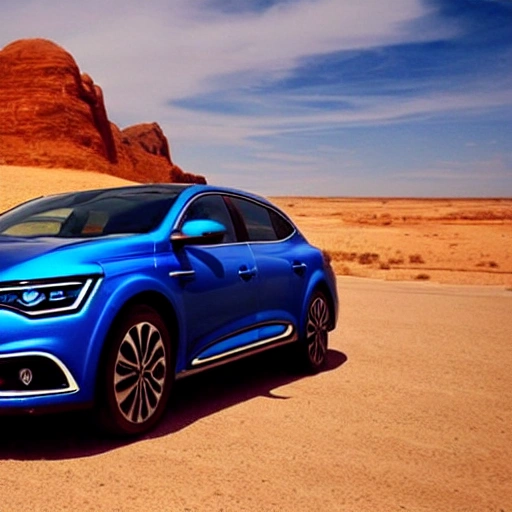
(413, 411)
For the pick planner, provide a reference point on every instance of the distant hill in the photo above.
(54, 116)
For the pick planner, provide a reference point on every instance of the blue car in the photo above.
(107, 296)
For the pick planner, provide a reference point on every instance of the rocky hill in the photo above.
(54, 116)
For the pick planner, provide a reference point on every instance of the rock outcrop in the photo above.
(51, 115)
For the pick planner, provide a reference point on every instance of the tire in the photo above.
(137, 374)
(313, 345)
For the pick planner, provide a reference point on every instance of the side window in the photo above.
(212, 207)
(263, 224)
(282, 227)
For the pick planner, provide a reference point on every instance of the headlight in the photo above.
(47, 297)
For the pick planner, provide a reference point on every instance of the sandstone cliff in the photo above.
(51, 115)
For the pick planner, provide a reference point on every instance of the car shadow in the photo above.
(74, 434)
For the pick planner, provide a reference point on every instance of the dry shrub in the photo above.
(342, 255)
(422, 277)
(488, 264)
(486, 215)
(416, 258)
(384, 266)
(367, 258)
(343, 270)
(396, 261)
(386, 219)
(327, 256)
(348, 256)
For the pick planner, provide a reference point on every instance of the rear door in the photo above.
(281, 260)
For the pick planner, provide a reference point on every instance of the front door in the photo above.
(219, 297)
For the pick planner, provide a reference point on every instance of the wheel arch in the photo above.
(155, 300)
(322, 286)
(318, 283)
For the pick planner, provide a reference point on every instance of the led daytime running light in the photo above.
(43, 298)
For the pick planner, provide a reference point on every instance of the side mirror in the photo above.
(199, 232)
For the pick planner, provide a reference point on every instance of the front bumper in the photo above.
(47, 362)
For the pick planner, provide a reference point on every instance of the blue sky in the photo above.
(303, 97)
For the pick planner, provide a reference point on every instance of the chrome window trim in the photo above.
(72, 385)
(245, 198)
(187, 205)
(268, 207)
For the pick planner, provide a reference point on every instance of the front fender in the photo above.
(117, 293)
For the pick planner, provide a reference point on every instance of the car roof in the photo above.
(174, 189)
(160, 188)
(157, 188)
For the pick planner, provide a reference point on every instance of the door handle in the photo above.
(246, 273)
(299, 267)
(182, 273)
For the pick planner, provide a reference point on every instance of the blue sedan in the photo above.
(107, 296)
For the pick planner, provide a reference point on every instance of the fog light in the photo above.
(25, 375)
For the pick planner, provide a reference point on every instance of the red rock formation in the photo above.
(93, 95)
(52, 116)
(149, 137)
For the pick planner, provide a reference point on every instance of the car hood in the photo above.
(40, 258)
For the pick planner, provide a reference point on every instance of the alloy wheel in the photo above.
(317, 330)
(140, 372)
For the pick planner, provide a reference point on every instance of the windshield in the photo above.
(92, 213)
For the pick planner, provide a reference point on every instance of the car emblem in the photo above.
(25, 376)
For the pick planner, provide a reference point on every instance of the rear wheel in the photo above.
(137, 374)
(313, 347)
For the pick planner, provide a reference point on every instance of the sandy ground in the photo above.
(413, 412)
(19, 184)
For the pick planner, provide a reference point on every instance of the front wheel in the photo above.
(313, 346)
(137, 375)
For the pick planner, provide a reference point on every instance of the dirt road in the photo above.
(414, 413)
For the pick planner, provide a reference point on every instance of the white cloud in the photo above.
(145, 54)
(217, 128)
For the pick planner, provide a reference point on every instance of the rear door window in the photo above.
(263, 224)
